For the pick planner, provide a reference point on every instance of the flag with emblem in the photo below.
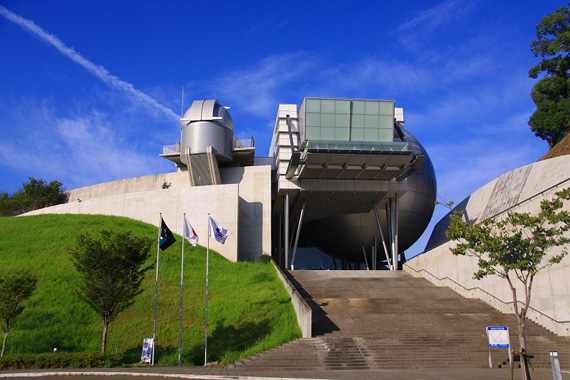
(218, 232)
(189, 233)
(166, 238)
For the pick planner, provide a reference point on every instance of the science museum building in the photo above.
(345, 185)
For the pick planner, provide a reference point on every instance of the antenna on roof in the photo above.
(182, 108)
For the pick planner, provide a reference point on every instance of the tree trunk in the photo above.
(522, 343)
(104, 338)
(4, 342)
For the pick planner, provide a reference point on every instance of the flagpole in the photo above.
(207, 269)
(181, 290)
(156, 289)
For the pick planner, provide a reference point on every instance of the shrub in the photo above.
(61, 360)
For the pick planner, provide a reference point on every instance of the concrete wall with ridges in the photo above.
(551, 286)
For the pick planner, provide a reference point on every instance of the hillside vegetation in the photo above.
(560, 149)
(248, 303)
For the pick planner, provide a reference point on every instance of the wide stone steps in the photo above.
(391, 320)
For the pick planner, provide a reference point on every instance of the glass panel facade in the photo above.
(348, 120)
(342, 120)
(342, 134)
(327, 120)
(313, 105)
(342, 106)
(327, 106)
(313, 119)
(357, 134)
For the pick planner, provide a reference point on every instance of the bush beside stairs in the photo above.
(391, 320)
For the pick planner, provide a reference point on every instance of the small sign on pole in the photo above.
(555, 363)
(148, 347)
(498, 336)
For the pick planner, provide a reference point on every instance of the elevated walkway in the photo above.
(376, 320)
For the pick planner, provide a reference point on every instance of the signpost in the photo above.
(148, 346)
(498, 336)
(555, 362)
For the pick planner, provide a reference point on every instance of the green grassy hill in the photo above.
(248, 303)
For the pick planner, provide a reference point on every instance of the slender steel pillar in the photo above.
(365, 258)
(382, 235)
(393, 228)
(396, 252)
(279, 245)
(298, 233)
(286, 229)
(375, 254)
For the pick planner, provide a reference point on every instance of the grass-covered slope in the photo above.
(247, 302)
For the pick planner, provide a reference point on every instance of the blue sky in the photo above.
(90, 91)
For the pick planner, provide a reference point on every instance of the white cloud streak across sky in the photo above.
(98, 71)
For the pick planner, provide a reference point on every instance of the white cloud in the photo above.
(97, 70)
(430, 20)
(79, 149)
(258, 89)
(97, 153)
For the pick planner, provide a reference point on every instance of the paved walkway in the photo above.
(196, 372)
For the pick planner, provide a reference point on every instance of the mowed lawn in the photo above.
(249, 309)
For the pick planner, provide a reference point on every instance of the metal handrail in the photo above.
(170, 149)
(486, 292)
(247, 143)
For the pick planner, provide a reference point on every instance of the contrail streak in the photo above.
(98, 71)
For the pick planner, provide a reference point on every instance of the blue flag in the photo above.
(166, 237)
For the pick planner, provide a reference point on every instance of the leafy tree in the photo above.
(551, 94)
(34, 194)
(14, 289)
(7, 207)
(515, 248)
(112, 269)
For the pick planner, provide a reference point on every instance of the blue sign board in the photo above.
(498, 336)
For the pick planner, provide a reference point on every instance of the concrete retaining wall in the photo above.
(302, 308)
(520, 190)
(242, 205)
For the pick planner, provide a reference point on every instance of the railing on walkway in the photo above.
(247, 143)
(171, 149)
(237, 144)
(520, 203)
(477, 288)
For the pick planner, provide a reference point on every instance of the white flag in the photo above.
(218, 232)
(189, 233)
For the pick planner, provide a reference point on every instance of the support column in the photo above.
(375, 255)
(286, 229)
(365, 258)
(280, 245)
(382, 234)
(297, 236)
(393, 228)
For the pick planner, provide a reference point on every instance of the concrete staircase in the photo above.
(391, 320)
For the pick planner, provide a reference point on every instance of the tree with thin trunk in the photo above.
(112, 268)
(14, 290)
(516, 248)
